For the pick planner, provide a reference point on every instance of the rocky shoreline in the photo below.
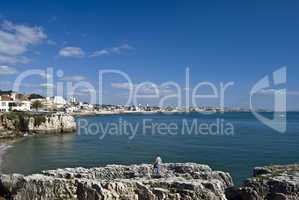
(137, 182)
(276, 182)
(177, 181)
(19, 124)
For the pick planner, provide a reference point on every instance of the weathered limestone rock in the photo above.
(278, 182)
(136, 182)
(16, 124)
(57, 123)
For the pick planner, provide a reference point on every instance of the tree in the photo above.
(36, 105)
(35, 96)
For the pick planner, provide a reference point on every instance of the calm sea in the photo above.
(233, 142)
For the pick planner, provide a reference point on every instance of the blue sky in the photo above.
(220, 41)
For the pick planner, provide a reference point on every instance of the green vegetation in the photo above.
(38, 120)
(37, 105)
(20, 120)
(35, 96)
(5, 92)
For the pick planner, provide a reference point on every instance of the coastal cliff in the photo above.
(119, 182)
(277, 182)
(17, 124)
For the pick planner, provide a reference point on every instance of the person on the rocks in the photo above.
(157, 165)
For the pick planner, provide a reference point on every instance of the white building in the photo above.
(73, 100)
(21, 106)
(4, 106)
(72, 109)
(8, 104)
(56, 101)
(86, 106)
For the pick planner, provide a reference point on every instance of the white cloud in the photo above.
(6, 70)
(72, 52)
(147, 88)
(122, 85)
(121, 48)
(73, 78)
(47, 85)
(13, 59)
(114, 50)
(84, 92)
(143, 89)
(15, 39)
(99, 53)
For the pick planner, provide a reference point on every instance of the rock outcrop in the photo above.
(277, 182)
(56, 123)
(135, 182)
(178, 181)
(17, 124)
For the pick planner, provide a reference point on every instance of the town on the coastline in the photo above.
(13, 101)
